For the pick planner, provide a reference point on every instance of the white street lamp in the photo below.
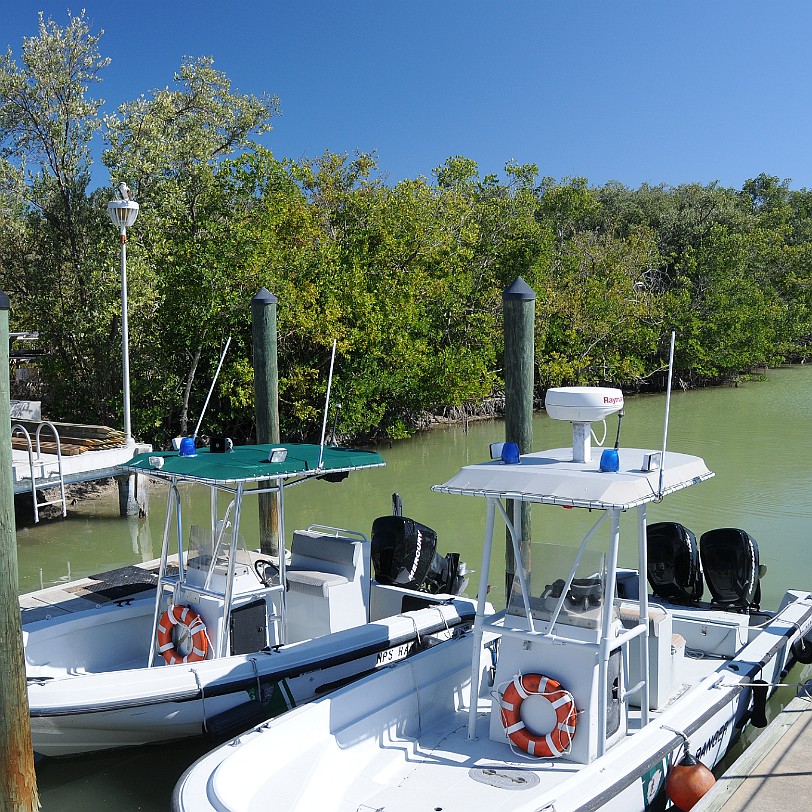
(123, 213)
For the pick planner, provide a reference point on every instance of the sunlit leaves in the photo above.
(407, 279)
(47, 117)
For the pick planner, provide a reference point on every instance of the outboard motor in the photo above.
(674, 565)
(730, 561)
(404, 553)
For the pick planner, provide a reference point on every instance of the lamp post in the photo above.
(123, 213)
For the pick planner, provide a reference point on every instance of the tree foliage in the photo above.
(405, 278)
(55, 264)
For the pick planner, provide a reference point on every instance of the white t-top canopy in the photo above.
(552, 477)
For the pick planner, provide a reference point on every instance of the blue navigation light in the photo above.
(610, 461)
(510, 453)
(187, 447)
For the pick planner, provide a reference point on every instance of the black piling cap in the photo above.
(4, 302)
(265, 296)
(519, 289)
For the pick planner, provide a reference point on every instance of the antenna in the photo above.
(211, 388)
(667, 410)
(619, 423)
(327, 404)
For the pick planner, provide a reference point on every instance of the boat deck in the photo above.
(106, 587)
(475, 774)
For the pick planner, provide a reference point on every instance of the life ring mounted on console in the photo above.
(179, 628)
(547, 745)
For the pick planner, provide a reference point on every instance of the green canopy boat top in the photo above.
(252, 463)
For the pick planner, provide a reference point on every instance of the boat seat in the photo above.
(730, 561)
(674, 567)
(328, 584)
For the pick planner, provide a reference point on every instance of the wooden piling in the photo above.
(519, 308)
(18, 781)
(266, 404)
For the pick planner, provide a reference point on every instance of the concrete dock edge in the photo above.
(775, 772)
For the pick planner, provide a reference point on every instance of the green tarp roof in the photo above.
(249, 463)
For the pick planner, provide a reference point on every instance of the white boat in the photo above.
(216, 636)
(585, 694)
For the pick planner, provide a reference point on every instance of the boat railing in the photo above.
(169, 582)
(496, 625)
(338, 532)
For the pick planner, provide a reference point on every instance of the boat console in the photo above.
(564, 638)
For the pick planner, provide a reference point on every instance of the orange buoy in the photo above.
(688, 781)
(546, 745)
(182, 635)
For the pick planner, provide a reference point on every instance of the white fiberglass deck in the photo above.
(407, 751)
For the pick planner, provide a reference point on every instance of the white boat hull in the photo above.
(83, 711)
(398, 740)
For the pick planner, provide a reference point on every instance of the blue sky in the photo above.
(633, 91)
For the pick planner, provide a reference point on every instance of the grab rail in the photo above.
(45, 483)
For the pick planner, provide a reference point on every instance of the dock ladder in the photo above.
(46, 479)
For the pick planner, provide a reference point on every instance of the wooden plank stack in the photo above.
(74, 438)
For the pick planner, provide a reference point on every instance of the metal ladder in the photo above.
(45, 481)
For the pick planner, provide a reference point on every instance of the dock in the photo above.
(84, 467)
(51, 461)
(774, 773)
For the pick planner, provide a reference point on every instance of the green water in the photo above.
(757, 438)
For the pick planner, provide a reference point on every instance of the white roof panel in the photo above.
(552, 477)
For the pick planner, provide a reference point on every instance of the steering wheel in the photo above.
(262, 567)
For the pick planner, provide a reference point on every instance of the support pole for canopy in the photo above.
(283, 578)
(482, 597)
(642, 557)
(520, 570)
(222, 642)
(172, 503)
(606, 641)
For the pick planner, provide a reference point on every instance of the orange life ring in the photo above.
(548, 745)
(189, 623)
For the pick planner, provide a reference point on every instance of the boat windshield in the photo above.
(206, 557)
(555, 571)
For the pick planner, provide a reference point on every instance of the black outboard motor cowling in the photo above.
(730, 561)
(404, 553)
(443, 574)
(674, 567)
